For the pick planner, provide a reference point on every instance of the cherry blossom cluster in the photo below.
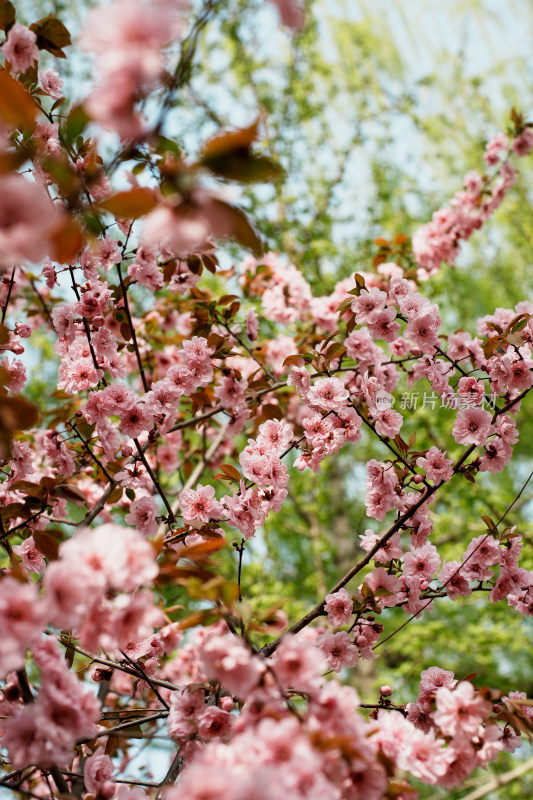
(440, 239)
(179, 414)
(440, 738)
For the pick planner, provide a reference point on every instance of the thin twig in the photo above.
(173, 771)
(132, 330)
(10, 289)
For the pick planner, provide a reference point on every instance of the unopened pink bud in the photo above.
(23, 330)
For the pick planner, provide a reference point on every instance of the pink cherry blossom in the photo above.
(368, 304)
(32, 559)
(328, 394)
(27, 216)
(460, 711)
(298, 665)
(199, 506)
(214, 723)
(388, 422)
(22, 619)
(384, 326)
(422, 563)
(383, 586)
(252, 325)
(495, 148)
(472, 426)
(291, 13)
(454, 580)
(391, 549)
(227, 660)
(143, 515)
(20, 48)
(381, 483)
(185, 708)
(51, 83)
(434, 678)
(339, 650)
(437, 467)
(275, 434)
(339, 608)
(523, 144)
(425, 757)
(98, 775)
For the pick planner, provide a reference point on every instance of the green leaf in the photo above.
(76, 122)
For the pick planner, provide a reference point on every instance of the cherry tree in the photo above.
(188, 394)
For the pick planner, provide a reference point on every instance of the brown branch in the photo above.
(59, 780)
(11, 282)
(146, 678)
(132, 330)
(318, 610)
(85, 325)
(39, 298)
(386, 442)
(112, 664)
(153, 477)
(195, 474)
(499, 780)
(124, 726)
(174, 770)
(91, 454)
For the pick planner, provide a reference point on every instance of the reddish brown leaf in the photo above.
(11, 160)
(115, 495)
(293, 361)
(225, 142)
(125, 331)
(7, 14)
(269, 411)
(69, 492)
(230, 222)
(29, 488)
(130, 204)
(46, 544)
(335, 350)
(17, 413)
(67, 240)
(199, 551)
(205, 617)
(17, 107)
(400, 238)
(13, 510)
(51, 35)
(230, 471)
